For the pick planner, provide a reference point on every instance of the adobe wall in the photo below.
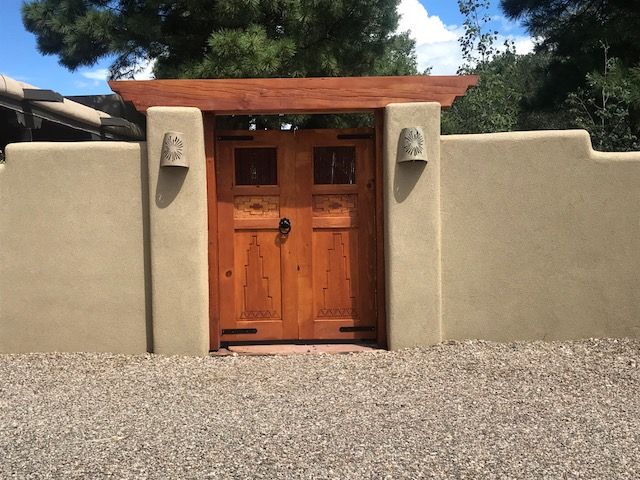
(540, 238)
(103, 250)
(72, 248)
(514, 236)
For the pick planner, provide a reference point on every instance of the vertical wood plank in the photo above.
(367, 233)
(380, 263)
(289, 243)
(212, 206)
(304, 185)
(226, 248)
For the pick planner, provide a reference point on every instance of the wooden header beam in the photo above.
(292, 95)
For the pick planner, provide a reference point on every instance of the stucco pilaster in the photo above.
(178, 228)
(412, 229)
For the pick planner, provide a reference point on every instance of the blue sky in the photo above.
(435, 24)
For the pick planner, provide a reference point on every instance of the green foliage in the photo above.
(572, 32)
(493, 105)
(564, 83)
(499, 102)
(603, 108)
(477, 44)
(242, 53)
(601, 97)
(225, 38)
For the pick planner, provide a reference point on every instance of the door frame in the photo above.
(212, 216)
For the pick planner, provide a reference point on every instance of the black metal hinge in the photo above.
(238, 331)
(355, 136)
(234, 138)
(357, 329)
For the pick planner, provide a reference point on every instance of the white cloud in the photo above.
(437, 44)
(523, 44)
(100, 74)
(144, 71)
(425, 28)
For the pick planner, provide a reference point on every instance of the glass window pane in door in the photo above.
(256, 166)
(334, 165)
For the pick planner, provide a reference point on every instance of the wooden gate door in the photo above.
(296, 226)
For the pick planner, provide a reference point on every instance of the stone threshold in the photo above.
(293, 349)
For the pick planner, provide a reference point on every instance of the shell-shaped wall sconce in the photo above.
(173, 151)
(412, 145)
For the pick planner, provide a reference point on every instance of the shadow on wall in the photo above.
(146, 235)
(170, 181)
(406, 176)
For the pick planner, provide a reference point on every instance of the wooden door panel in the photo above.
(258, 276)
(257, 287)
(256, 206)
(255, 263)
(336, 205)
(256, 211)
(342, 240)
(317, 283)
(335, 283)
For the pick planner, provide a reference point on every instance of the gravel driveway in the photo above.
(459, 410)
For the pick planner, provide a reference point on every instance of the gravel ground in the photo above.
(458, 410)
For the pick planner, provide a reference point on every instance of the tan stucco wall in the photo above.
(72, 274)
(178, 226)
(412, 229)
(514, 236)
(540, 238)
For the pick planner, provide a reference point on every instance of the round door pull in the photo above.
(284, 226)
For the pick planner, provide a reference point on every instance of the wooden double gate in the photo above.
(265, 285)
(297, 230)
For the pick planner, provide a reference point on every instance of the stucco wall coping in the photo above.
(578, 138)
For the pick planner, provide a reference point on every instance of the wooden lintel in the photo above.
(293, 95)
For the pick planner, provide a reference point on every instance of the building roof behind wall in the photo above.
(48, 105)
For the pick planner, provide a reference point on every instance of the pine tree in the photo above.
(572, 32)
(225, 38)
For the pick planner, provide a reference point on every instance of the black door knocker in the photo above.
(284, 226)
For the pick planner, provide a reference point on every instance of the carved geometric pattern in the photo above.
(337, 313)
(334, 205)
(258, 302)
(256, 206)
(258, 314)
(338, 298)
